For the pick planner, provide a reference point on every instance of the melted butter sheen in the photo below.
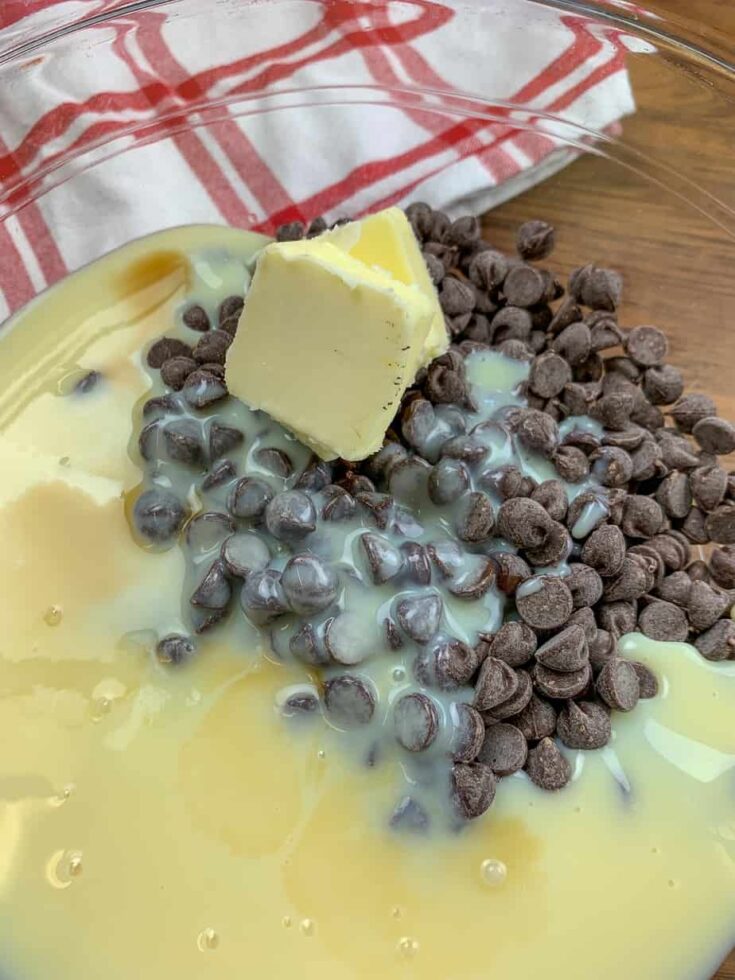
(158, 824)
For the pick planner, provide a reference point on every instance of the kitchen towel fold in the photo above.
(284, 110)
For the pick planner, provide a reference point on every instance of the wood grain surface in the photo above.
(677, 266)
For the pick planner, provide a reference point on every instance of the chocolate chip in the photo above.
(448, 480)
(544, 602)
(415, 721)
(585, 618)
(469, 449)
(221, 473)
(213, 347)
(690, 409)
(392, 636)
(475, 519)
(195, 318)
(214, 591)
(495, 684)
(202, 388)
(642, 517)
(547, 767)
(631, 582)
(549, 374)
(663, 385)
(183, 442)
(340, 505)
(536, 431)
(535, 240)
(306, 647)
(673, 548)
(297, 701)
(718, 642)
(504, 749)
(276, 461)
(378, 505)
(523, 522)
(175, 649)
(349, 701)
(445, 664)
(488, 269)
(472, 788)
(223, 439)
(698, 571)
(561, 686)
(513, 704)
(664, 621)
(618, 618)
(675, 588)
(468, 732)
(584, 725)
(525, 286)
(722, 566)
(514, 643)
(230, 307)
(647, 346)
(586, 512)
(245, 552)
(585, 585)
(207, 531)
(409, 816)
(604, 550)
(604, 330)
(511, 570)
(161, 405)
(435, 268)
(159, 515)
(456, 297)
(568, 312)
(309, 583)
(511, 323)
(708, 486)
(383, 558)
(705, 606)
(715, 435)
(165, 348)
(262, 597)
(556, 548)
(290, 515)
(419, 616)
(474, 582)
(617, 684)
(601, 648)
(565, 652)
(647, 681)
(553, 498)
(694, 526)
(600, 289)
(537, 720)
(571, 463)
(315, 476)
(291, 232)
(574, 343)
(720, 524)
(249, 497)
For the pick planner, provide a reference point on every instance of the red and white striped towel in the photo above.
(257, 170)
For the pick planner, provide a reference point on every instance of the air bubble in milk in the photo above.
(207, 939)
(493, 872)
(59, 799)
(408, 946)
(307, 927)
(53, 615)
(63, 867)
(398, 674)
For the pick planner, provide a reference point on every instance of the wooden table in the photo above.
(677, 268)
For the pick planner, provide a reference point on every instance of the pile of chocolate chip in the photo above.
(551, 673)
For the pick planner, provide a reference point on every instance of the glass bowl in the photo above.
(141, 116)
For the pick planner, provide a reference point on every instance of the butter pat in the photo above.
(386, 240)
(327, 346)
